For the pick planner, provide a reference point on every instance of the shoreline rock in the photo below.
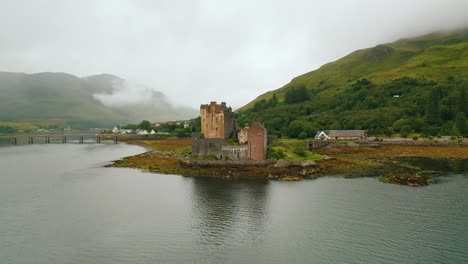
(406, 179)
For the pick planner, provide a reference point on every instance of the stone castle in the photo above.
(218, 124)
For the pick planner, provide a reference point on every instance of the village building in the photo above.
(340, 134)
(217, 120)
(142, 132)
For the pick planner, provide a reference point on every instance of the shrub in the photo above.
(303, 135)
(300, 149)
(276, 154)
(296, 95)
(415, 138)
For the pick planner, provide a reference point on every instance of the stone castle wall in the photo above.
(235, 152)
(206, 146)
(257, 141)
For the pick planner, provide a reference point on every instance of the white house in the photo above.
(152, 132)
(115, 130)
(142, 132)
(321, 135)
(340, 134)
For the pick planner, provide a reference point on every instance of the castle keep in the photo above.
(217, 120)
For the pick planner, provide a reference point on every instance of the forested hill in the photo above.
(94, 101)
(411, 85)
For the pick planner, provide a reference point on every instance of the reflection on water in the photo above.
(227, 213)
(5, 141)
(58, 205)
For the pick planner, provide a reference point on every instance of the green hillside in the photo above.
(411, 85)
(62, 96)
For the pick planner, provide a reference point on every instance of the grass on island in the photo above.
(290, 149)
(444, 152)
(293, 149)
(178, 146)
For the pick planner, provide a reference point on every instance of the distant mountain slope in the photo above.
(81, 102)
(374, 88)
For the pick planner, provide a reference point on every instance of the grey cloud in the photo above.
(198, 51)
(128, 93)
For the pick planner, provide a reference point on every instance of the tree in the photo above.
(296, 95)
(388, 131)
(145, 124)
(7, 129)
(460, 120)
(259, 106)
(405, 130)
(370, 102)
(273, 101)
(449, 129)
(294, 129)
(433, 108)
(462, 101)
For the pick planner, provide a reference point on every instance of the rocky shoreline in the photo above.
(407, 179)
(172, 156)
(156, 162)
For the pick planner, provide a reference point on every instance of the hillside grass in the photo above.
(357, 91)
(33, 125)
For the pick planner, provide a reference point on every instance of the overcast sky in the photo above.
(199, 51)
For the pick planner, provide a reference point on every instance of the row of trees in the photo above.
(172, 128)
(7, 130)
(295, 95)
(264, 104)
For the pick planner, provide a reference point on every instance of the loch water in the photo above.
(58, 204)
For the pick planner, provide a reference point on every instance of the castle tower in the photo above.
(257, 140)
(217, 120)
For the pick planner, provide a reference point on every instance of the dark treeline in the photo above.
(172, 128)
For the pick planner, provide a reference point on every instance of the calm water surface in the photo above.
(58, 205)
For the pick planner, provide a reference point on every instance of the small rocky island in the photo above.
(406, 179)
(226, 150)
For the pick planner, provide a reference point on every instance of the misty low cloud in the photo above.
(128, 93)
